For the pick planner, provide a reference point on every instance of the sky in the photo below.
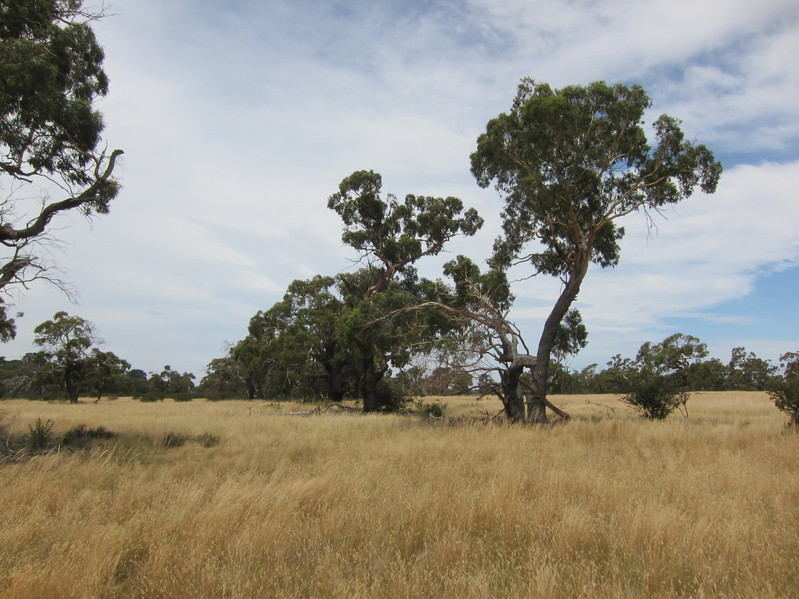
(239, 119)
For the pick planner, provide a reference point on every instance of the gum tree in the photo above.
(568, 164)
(67, 341)
(52, 158)
(390, 236)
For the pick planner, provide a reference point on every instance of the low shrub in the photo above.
(38, 439)
(654, 396)
(80, 435)
(182, 397)
(431, 410)
(151, 396)
(208, 440)
(174, 440)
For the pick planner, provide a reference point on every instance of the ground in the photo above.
(255, 501)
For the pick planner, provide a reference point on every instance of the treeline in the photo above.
(271, 363)
(685, 360)
(70, 365)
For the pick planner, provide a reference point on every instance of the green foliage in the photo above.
(151, 397)
(785, 394)
(66, 341)
(81, 436)
(104, 370)
(571, 161)
(654, 396)
(38, 438)
(170, 383)
(784, 391)
(51, 73)
(431, 410)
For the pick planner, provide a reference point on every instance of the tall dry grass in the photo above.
(343, 505)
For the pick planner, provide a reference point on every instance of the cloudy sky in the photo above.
(239, 119)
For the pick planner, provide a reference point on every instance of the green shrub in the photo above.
(785, 394)
(431, 410)
(81, 435)
(151, 396)
(39, 437)
(182, 397)
(654, 396)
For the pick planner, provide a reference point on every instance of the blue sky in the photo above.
(239, 119)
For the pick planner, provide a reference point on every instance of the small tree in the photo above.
(105, 370)
(785, 391)
(67, 341)
(654, 396)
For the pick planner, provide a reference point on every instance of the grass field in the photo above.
(261, 503)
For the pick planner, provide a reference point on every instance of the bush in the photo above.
(182, 396)
(654, 396)
(80, 435)
(785, 394)
(174, 440)
(431, 410)
(390, 397)
(151, 396)
(208, 440)
(39, 437)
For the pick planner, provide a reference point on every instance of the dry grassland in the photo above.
(345, 505)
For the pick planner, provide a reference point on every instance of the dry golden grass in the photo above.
(344, 505)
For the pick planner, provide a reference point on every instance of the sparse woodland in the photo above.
(387, 434)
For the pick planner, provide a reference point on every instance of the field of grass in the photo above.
(261, 503)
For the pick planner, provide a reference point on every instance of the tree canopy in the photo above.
(50, 132)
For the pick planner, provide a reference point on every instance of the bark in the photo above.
(547, 340)
(370, 377)
(71, 385)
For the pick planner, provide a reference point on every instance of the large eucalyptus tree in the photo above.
(569, 163)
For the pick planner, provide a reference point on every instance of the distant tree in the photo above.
(171, 383)
(222, 380)
(676, 357)
(104, 371)
(746, 371)
(569, 163)
(50, 144)
(135, 382)
(67, 341)
(659, 380)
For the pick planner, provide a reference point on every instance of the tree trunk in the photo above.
(512, 396)
(369, 380)
(536, 410)
(72, 387)
(561, 307)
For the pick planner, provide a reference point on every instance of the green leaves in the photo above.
(569, 162)
(396, 234)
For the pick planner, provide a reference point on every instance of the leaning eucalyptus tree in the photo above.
(569, 163)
